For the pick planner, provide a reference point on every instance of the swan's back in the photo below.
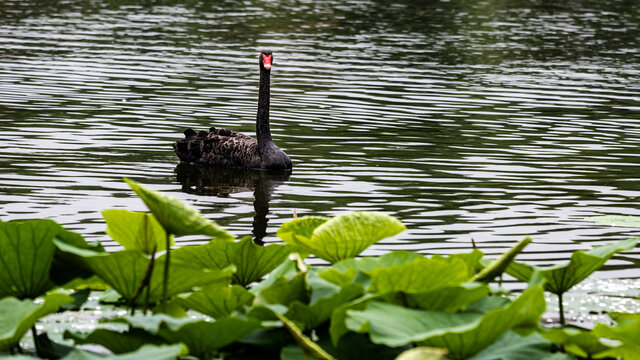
(218, 147)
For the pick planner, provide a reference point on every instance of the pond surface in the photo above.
(483, 120)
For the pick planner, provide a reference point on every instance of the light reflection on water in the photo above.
(465, 120)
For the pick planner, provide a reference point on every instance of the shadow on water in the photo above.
(222, 182)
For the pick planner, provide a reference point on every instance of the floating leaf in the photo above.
(617, 220)
(342, 237)
(135, 230)
(118, 342)
(561, 278)
(498, 266)
(161, 352)
(18, 316)
(176, 217)
(217, 300)
(251, 260)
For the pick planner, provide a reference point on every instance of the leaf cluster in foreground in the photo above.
(233, 299)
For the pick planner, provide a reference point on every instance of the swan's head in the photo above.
(266, 59)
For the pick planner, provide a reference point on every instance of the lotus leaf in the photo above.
(18, 316)
(463, 334)
(162, 352)
(217, 300)
(561, 278)
(627, 331)
(299, 231)
(176, 217)
(202, 337)
(344, 272)
(251, 260)
(447, 299)
(617, 220)
(26, 255)
(325, 298)
(125, 270)
(135, 230)
(515, 347)
(338, 326)
(342, 237)
(118, 342)
(284, 291)
(419, 275)
(576, 341)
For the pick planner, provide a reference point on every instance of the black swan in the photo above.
(226, 148)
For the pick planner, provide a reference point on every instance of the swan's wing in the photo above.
(219, 147)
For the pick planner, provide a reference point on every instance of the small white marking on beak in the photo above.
(267, 66)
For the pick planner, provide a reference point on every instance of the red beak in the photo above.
(266, 61)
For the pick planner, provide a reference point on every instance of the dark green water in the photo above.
(489, 120)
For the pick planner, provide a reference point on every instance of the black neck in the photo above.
(262, 124)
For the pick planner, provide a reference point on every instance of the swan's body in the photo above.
(222, 147)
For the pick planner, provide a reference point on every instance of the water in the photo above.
(488, 120)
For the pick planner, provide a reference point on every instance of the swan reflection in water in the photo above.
(221, 182)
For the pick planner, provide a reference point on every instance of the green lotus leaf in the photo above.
(299, 231)
(448, 298)
(498, 266)
(560, 278)
(342, 237)
(338, 326)
(344, 272)
(125, 270)
(135, 230)
(251, 260)
(617, 220)
(576, 341)
(176, 217)
(217, 300)
(462, 334)
(29, 263)
(627, 331)
(160, 352)
(284, 291)
(325, 298)
(26, 255)
(18, 316)
(515, 347)
(118, 342)
(287, 270)
(202, 337)
(419, 275)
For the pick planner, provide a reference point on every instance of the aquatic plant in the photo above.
(234, 299)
